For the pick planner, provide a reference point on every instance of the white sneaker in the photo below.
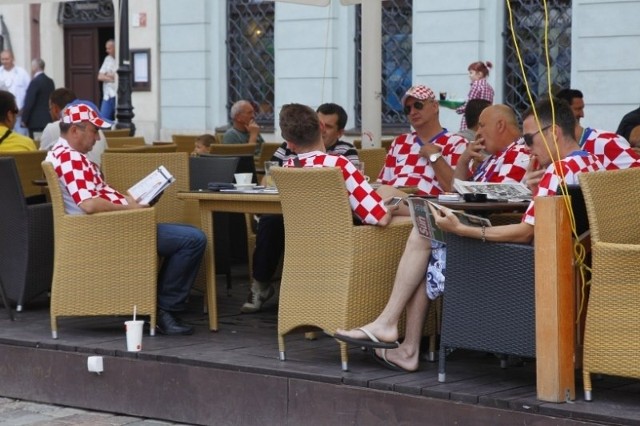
(259, 294)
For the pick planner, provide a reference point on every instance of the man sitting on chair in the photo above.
(85, 192)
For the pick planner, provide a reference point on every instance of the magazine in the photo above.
(151, 186)
(425, 223)
(494, 191)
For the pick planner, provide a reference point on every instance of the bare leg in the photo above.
(407, 354)
(411, 273)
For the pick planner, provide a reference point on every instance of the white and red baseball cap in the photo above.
(80, 110)
(419, 92)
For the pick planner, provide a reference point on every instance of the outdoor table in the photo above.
(230, 202)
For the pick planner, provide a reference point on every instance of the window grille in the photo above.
(529, 25)
(250, 55)
(396, 61)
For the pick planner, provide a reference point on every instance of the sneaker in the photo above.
(259, 294)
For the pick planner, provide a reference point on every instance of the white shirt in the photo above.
(16, 81)
(109, 88)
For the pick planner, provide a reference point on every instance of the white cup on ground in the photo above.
(243, 178)
(134, 335)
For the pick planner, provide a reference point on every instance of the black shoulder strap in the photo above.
(296, 161)
(6, 135)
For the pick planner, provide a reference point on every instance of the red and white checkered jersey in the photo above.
(364, 200)
(480, 89)
(613, 151)
(404, 166)
(570, 167)
(80, 179)
(509, 165)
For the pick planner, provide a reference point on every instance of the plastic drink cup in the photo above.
(134, 335)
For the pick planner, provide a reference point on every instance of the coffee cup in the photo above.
(134, 335)
(243, 178)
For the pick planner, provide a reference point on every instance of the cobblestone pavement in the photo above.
(16, 412)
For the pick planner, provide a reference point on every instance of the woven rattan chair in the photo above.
(125, 141)
(185, 143)
(116, 133)
(266, 152)
(29, 169)
(336, 274)
(612, 329)
(167, 147)
(233, 149)
(26, 240)
(489, 299)
(373, 159)
(123, 272)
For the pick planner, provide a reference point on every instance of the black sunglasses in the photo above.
(528, 137)
(417, 105)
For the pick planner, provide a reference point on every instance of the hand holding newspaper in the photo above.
(151, 186)
(425, 223)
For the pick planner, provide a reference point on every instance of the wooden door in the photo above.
(82, 62)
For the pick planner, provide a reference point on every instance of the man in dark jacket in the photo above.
(35, 114)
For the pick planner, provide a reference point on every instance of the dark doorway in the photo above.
(87, 27)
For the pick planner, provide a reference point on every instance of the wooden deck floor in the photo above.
(235, 372)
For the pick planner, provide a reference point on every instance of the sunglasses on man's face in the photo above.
(417, 105)
(528, 137)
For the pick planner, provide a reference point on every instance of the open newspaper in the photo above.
(151, 186)
(494, 191)
(425, 223)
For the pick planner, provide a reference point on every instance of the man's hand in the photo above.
(533, 175)
(133, 204)
(473, 153)
(253, 128)
(445, 219)
(428, 149)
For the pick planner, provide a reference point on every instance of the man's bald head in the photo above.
(497, 127)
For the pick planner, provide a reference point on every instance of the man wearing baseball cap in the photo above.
(85, 192)
(425, 157)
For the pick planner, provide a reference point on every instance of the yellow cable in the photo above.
(579, 250)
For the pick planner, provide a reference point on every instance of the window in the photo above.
(250, 56)
(396, 60)
(529, 26)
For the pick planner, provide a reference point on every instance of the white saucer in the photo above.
(244, 185)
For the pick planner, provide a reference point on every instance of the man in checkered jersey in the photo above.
(613, 150)
(85, 192)
(425, 157)
(407, 292)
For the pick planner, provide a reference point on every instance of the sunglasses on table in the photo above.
(418, 105)
(528, 137)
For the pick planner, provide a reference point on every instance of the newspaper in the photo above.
(425, 223)
(152, 185)
(494, 191)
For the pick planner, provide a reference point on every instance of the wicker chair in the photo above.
(612, 329)
(266, 153)
(233, 149)
(185, 143)
(117, 133)
(353, 287)
(373, 159)
(125, 141)
(125, 275)
(26, 240)
(29, 169)
(489, 301)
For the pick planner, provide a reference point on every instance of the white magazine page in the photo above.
(151, 185)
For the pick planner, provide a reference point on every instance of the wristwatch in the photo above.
(434, 157)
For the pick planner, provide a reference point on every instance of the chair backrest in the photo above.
(13, 208)
(122, 170)
(612, 205)
(57, 203)
(29, 169)
(313, 198)
(233, 149)
(125, 141)
(166, 147)
(267, 151)
(203, 170)
(373, 159)
(127, 149)
(116, 133)
(384, 143)
(577, 206)
(185, 143)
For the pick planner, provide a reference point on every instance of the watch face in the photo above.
(434, 157)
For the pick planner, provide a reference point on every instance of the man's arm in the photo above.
(100, 205)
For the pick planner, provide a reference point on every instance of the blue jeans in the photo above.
(108, 108)
(181, 248)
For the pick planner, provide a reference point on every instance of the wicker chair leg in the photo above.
(54, 327)
(3, 294)
(152, 324)
(344, 356)
(442, 376)
(281, 348)
(431, 355)
(586, 378)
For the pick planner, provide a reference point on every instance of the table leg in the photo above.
(206, 220)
